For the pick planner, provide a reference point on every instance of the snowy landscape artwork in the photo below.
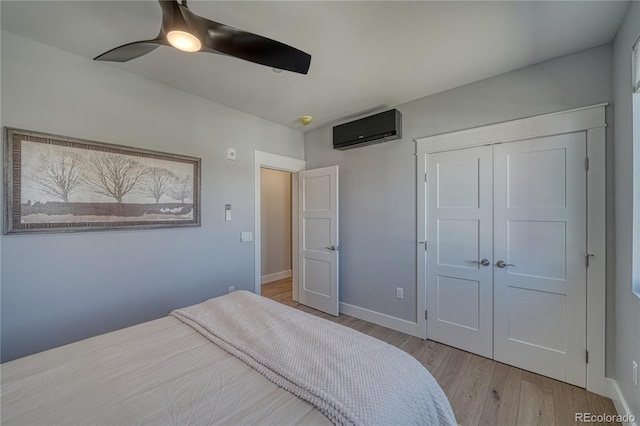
(56, 184)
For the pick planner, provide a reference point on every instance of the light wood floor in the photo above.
(481, 391)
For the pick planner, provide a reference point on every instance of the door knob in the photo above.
(501, 264)
(332, 248)
(483, 262)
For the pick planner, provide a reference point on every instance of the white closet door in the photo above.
(540, 235)
(459, 238)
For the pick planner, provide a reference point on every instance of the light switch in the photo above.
(227, 212)
(246, 236)
(231, 154)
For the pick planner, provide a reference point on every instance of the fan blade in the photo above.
(227, 40)
(129, 51)
(215, 38)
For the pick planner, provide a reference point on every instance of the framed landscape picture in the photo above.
(59, 184)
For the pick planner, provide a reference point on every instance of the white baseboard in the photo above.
(621, 404)
(275, 276)
(377, 318)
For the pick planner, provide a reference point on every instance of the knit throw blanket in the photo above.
(350, 377)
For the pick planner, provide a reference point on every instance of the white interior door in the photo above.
(318, 238)
(459, 249)
(540, 236)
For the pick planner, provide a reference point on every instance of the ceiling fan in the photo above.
(189, 32)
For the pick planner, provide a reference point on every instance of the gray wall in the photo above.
(1, 197)
(59, 288)
(275, 221)
(626, 316)
(377, 183)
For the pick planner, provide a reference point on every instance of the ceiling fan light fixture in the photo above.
(184, 30)
(184, 41)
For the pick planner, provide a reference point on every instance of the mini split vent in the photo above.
(382, 127)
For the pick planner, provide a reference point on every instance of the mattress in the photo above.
(159, 372)
(235, 359)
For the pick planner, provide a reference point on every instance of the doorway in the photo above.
(271, 161)
(276, 228)
(314, 231)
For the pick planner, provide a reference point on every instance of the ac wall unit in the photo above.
(382, 127)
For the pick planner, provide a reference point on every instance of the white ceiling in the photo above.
(365, 55)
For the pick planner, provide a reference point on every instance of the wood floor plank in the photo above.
(500, 406)
(536, 407)
(481, 391)
(413, 345)
(576, 400)
(599, 405)
(432, 354)
(451, 371)
(471, 390)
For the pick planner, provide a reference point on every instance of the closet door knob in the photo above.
(501, 264)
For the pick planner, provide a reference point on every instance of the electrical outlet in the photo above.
(232, 288)
(635, 373)
(399, 293)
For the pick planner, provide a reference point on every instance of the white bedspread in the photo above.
(158, 373)
(351, 377)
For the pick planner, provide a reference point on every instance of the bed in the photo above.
(235, 359)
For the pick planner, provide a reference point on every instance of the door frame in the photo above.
(591, 120)
(286, 164)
